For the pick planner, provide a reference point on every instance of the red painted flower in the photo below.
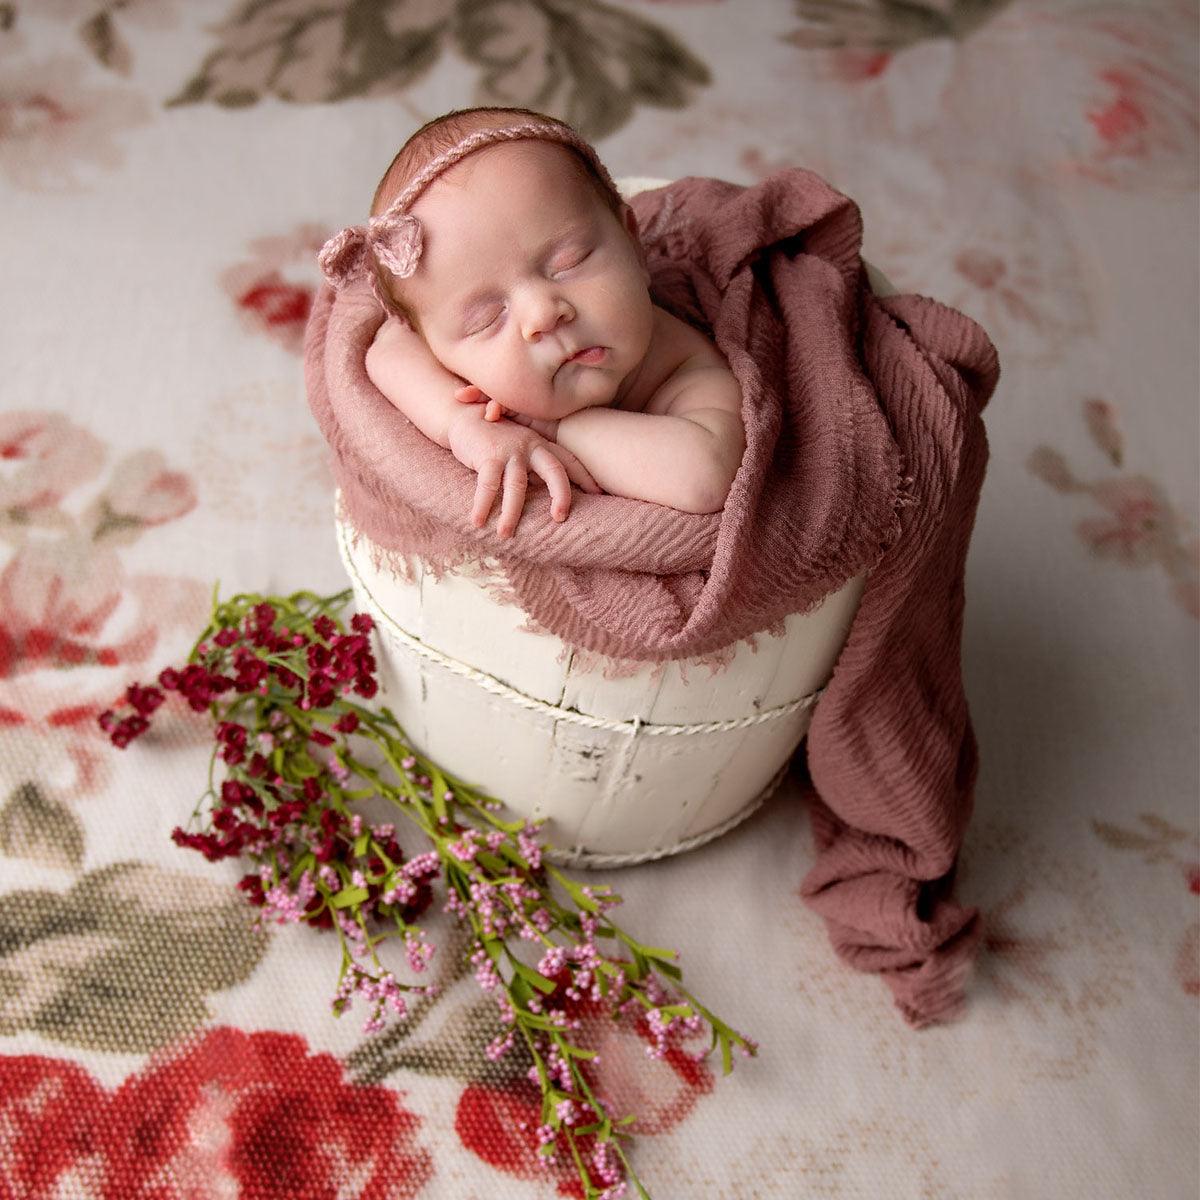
(274, 291)
(499, 1124)
(252, 1115)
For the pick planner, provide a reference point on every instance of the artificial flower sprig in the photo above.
(282, 678)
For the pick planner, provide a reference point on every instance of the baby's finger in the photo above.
(516, 482)
(494, 411)
(486, 488)
(577, 472)
(555, 475)
(468, 394)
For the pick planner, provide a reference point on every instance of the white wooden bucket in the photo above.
(623, 769)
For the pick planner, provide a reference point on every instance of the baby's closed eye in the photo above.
(569, 260)
(482, 319)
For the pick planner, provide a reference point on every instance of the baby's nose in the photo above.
(544, 315)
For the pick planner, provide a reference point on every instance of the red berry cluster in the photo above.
(256, 804)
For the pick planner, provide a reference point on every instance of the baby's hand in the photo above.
(503, 454)
(493, 411)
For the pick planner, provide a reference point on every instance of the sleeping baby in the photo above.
(521, 333)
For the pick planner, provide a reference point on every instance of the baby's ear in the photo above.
(629, 220)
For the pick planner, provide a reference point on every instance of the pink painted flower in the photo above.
(142, 492)
(1118, 80)
(232, 1113)
(43, 456)
(53, 126)
(69, 603)
(1140, 523)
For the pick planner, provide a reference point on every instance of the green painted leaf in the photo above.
(37, 827)
(101, 37)
(866, 24)
(585, 61)
(124, 960)
(311, 54)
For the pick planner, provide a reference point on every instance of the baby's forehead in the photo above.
(536, 175)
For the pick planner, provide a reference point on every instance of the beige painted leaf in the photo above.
(309, 54)
(101, 36)
(35, 827)
(125, 960)
(584, 61)
(1171, 832)
(1101, 420)
(872, 24)
(1128, 839)
(1050, 467)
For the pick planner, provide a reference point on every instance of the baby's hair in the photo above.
(440, 135)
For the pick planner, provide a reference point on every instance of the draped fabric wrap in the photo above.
(865, 450)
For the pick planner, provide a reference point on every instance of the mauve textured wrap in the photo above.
(865, 450)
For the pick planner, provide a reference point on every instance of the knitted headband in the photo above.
(394, 239)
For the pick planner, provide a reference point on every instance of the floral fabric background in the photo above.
(167, 172)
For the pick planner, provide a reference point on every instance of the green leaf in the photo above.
(657, 952)
(348, 897)
(543, 985)
(538, 1022)
(438, 788)
(509, 852)
(575, 891)
(493, 864)
(519, 992)
(676, 1010)
(578, 1051)
(360, 844)
(302, 864)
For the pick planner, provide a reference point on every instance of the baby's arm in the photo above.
(502, 453)
(684, 456)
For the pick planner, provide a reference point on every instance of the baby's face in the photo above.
(528, 285)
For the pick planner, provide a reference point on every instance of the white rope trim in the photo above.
(581, 857)
(405, 640)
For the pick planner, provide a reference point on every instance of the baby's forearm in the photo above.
(402, 367)
(647, 456)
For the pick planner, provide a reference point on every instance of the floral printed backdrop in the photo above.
(167, 172)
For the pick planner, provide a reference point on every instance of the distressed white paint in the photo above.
(605, 791)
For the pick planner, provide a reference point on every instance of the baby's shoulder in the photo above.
(698, 377)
